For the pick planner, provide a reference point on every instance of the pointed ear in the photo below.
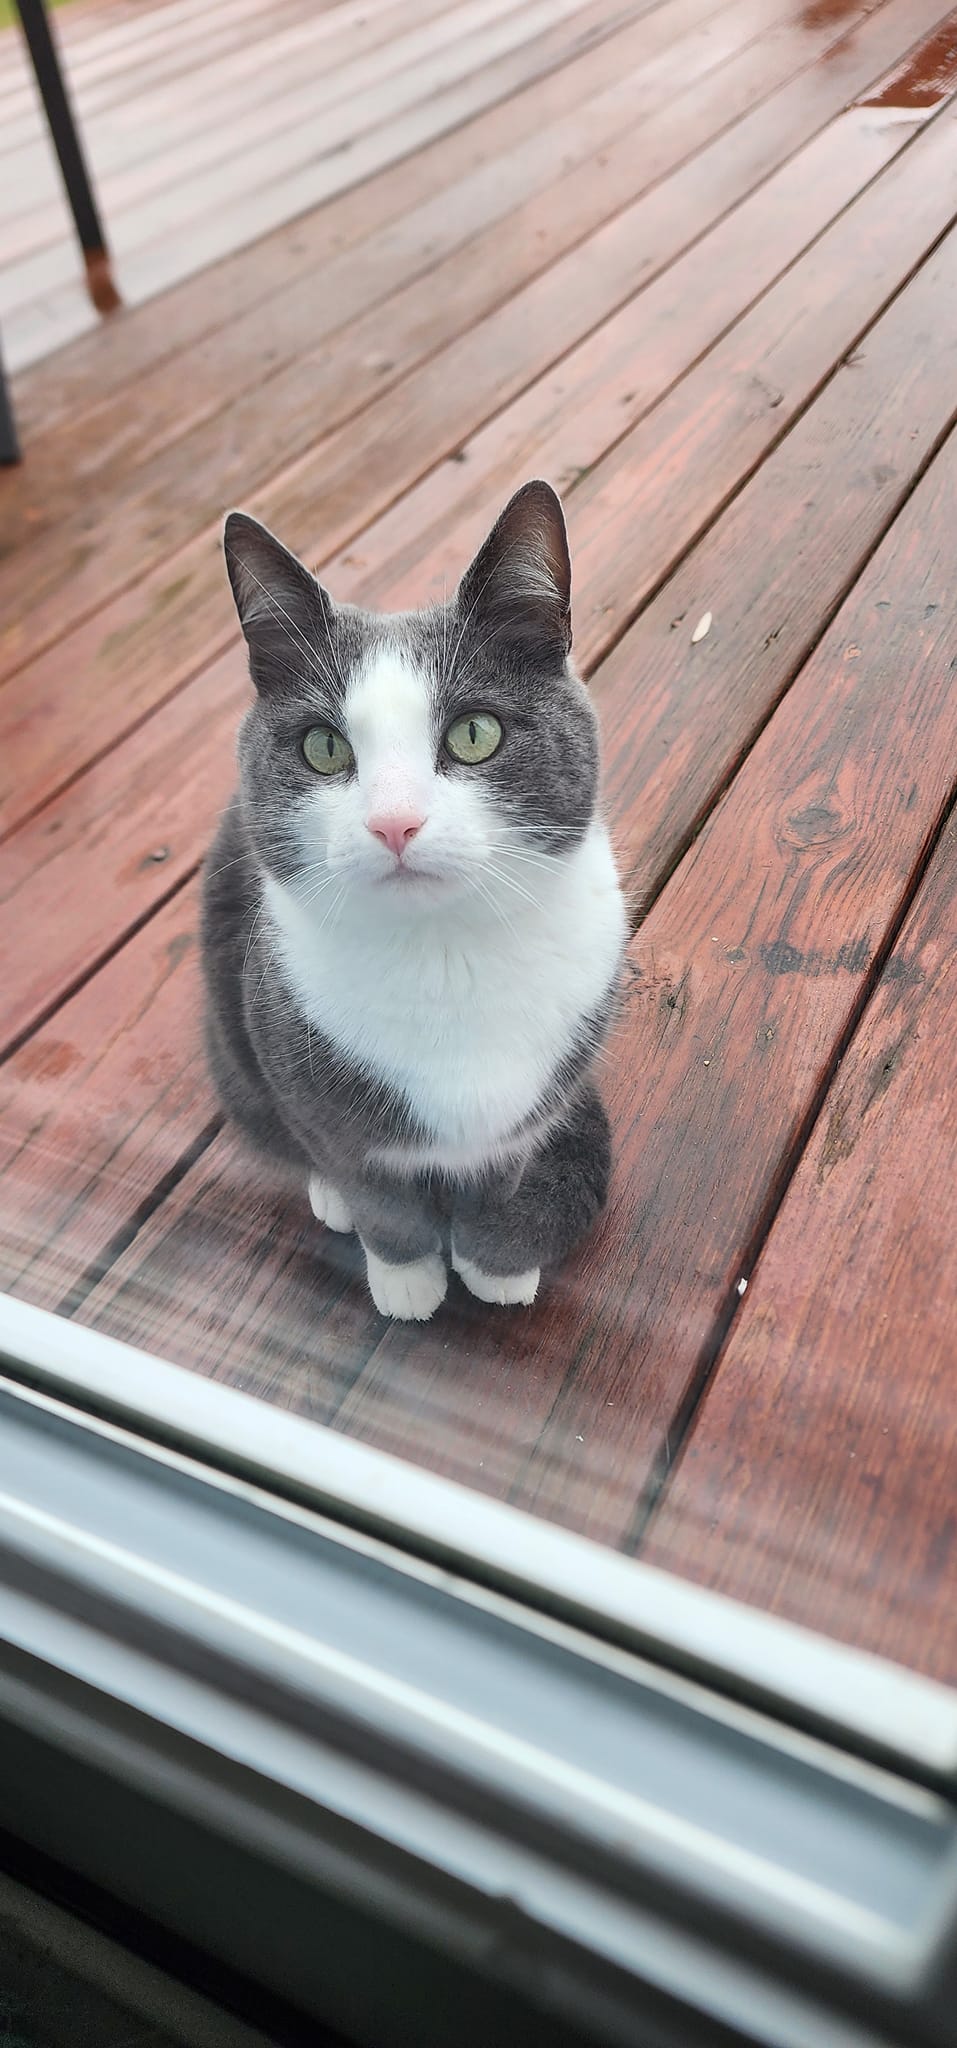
(283, 611)
(520, 581)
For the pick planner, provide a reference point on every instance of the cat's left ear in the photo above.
(282, 609)
(519, 584)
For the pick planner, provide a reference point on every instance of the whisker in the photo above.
(257, 920)
(334, 905)
(262, 978)
(510, 883)
(236, 862)
(547, 862)
(489, 900)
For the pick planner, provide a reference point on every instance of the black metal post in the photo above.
(9, 445)
(66, 141)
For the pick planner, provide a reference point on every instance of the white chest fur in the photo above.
(465, 1016)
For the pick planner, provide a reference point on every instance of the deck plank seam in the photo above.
(659, 881)
(679, 1430)
(96, 1268)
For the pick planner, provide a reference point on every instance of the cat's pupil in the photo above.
(472, 730)
(330, 745)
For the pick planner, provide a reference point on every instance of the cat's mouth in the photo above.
(402, 877)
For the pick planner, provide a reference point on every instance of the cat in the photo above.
(413, 926)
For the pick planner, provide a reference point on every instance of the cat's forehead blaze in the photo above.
(389, 696)
(388, 716)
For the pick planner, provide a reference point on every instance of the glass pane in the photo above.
(383, 267)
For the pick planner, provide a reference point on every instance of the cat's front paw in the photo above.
(515, 1290)
(327, 1205)
(410, 1294)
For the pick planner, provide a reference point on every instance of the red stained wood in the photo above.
(630, 511)
(98, 1109)
(266, 1337)
(120, 812)
(508, 303)
(88, 464)
(210, 179)
(678, 718)
(383, 136)
(49, 393)
(820, 1476)
(926, 77)
(132, 152)
(681, 716)
(92, 865)
(144, 642)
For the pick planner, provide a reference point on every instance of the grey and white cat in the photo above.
(412, 922)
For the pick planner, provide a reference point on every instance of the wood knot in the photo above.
(814, 825)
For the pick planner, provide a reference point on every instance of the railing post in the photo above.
(9, 445)
(66, 141)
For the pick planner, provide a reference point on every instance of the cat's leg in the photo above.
(516, 1290)
(399, 1233)
(328, 1206)
(409, 1293)
(502, 1235)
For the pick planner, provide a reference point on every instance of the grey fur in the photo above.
(290, 1090)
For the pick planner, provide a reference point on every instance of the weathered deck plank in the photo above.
(484, 124)
(213, 201)
(322, 361)
(819, 1478)
(500, 312)
(561, 121)
(131, 150)
(150, 267)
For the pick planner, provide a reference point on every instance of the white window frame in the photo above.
(500, 1772)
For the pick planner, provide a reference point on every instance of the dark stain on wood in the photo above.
(926, 77)
(780, 958)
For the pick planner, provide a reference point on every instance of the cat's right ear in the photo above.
(519, 584)
(282, 609)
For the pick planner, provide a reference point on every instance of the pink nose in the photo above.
(395, 830)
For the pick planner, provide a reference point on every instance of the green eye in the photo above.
(326, 751)
(475, 738)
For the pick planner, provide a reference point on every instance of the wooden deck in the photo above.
(696, 262)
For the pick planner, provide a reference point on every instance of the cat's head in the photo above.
(421, 756)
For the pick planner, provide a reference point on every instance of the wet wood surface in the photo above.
(845, 1344)
(690, 260)
(386, 413)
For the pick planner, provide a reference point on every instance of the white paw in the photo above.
(327, 1204)
(409, 1293)
(515, 1289)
